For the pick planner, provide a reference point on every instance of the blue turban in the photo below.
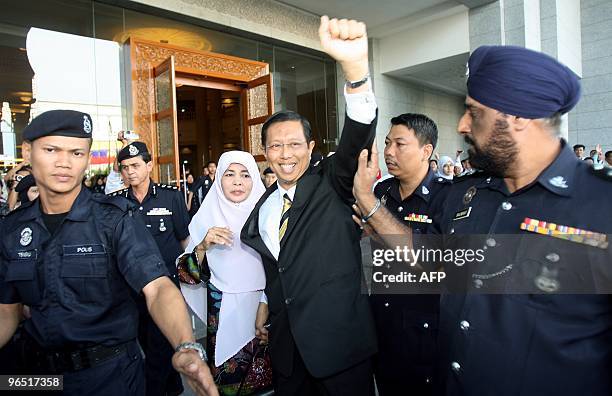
(521, 82)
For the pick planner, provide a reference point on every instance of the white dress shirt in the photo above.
(269, 218)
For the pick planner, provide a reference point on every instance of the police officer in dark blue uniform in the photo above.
(73, 257)
(163, 210)
(406, 325)
(541, 342)
(201, 186)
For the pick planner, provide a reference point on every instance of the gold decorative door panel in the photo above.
(165, 138)
(258, 105)
(152, 120)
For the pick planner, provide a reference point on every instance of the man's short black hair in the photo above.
(577, 146)
(146, 157)
(286, 115)
(608, 154)
(424, 128)
(433, 160)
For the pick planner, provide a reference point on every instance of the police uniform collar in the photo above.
(152, 191)
(424, 190)
(29, 210)
(78, 212)
(80, 208)
(559, 176)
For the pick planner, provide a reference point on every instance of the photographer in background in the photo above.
(12, 178)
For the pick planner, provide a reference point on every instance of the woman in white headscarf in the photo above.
(446, 167)
(234, 292)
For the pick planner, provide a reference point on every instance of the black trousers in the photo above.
(160, 377)
(357, 380)
(122, 375)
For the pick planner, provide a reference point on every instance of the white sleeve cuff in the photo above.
(361, 107)
(264, 298)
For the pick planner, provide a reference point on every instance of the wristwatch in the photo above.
(357, 84)
(195, 346)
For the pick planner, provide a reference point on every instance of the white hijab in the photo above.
(445, 159)
(238, 268)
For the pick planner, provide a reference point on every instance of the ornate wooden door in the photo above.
(258, 105)
(165, 139)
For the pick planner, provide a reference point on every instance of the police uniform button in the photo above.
(427, 380)
(426, 325)
(456, 367)
(464, 325)
(386, 304)
(140, 208)
(506, 205)
(552, 257)
(288, 301)
(478, 283)
(399, 208)
(452, 231)
(281, 269)
(491, 242)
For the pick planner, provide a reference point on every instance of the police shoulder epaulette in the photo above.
(118, 192)
(441, 180)
(167, 186)
(603, 173)
(469, 176)
(19, 208)
(114, 199)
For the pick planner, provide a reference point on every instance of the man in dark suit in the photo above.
(321, 330)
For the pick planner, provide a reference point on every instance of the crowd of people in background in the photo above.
(197, 186)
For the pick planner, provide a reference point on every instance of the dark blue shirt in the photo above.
(77, 281)
(164, 212)
(529, 343)
(407, 324)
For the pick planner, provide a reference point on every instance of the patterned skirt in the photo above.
(248, 370)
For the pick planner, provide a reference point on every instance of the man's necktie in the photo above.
(284, 217)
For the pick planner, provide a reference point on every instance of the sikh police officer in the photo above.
(406, 325)
(73, 257)
(163, 210)
(545, 342)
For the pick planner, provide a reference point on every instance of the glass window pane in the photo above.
(258, 101)
(166, 174)
(163, 93)
(255, 139)
(165, 136)
(300, 85)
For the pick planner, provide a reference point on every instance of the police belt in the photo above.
(56, 362)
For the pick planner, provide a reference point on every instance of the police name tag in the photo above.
(82, 250)
(26, 255)
(159, 212)
(463, 214)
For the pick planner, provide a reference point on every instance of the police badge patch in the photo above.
(86, 125)
(133, 150)
(26, 236)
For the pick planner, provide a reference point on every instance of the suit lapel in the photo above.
(250, 232)
(304, 190)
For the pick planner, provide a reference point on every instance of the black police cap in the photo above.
(59, 123)
(132, 150)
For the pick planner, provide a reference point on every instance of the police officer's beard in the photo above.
(497, 154)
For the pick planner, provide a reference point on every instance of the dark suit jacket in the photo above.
(314, 290)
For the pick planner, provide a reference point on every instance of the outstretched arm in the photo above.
(346, 41)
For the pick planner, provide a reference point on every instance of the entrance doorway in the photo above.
(209, 123)
(213, 87)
